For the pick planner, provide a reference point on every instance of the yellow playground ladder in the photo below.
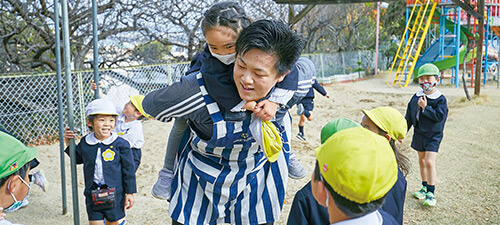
(409, 52)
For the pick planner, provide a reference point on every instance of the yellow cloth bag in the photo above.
(271, 140)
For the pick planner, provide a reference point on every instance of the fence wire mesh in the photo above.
(28, 103)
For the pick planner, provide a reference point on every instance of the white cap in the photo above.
(100, 106)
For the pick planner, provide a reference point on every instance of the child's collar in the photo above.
(434, 95)
(92, 140)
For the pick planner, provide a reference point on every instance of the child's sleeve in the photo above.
(281, 96)
(319, 88)
(408, 115)
(182, 99)
(286, 88)
(437, 113)
(128, 170)
(135, 135)
(78, 153)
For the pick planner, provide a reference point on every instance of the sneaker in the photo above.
(300, 109)
(295, 170)
(163, 186)
(301, 137)
(430, 199)
(420, 194)
(40, 180)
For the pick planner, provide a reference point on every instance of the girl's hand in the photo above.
(250, 105)
(129, 201)
(266, 109)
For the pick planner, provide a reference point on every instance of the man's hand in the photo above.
(129, 201)
(422, 102)
(265, 109)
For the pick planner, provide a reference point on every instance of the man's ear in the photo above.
(283, 76)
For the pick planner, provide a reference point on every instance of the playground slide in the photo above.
(431, 54)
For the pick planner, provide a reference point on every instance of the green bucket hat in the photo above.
(13, 155)
(335, 125)
(428, 69)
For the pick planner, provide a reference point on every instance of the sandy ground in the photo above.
(468, 162)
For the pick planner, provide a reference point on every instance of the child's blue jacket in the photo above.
(430, 121)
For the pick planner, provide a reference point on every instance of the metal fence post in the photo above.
(69, 91)
(59, 107)
(96, 51)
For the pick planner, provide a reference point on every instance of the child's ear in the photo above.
(89, 124)
(13, 184)
(138, 114)
(388, 137)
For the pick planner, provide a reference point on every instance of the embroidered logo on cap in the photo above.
(108, 155)
(13, 166)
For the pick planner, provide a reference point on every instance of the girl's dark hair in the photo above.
(402, 160)
(226, 14)
(21, 172)
(349, 208)
(275, 38)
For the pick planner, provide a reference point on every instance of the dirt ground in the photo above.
(468, 164)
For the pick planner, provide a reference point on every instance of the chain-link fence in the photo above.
(28, 103)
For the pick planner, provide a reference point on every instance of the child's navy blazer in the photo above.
(117, 162)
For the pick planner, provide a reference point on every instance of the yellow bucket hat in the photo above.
(137, 102)
(389, 120)
(358, 164)
(271, 140)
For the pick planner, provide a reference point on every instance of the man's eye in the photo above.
(231, 46)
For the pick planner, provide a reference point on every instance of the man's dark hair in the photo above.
(349, 208)
(21, 172)
(226, 14)
(273, 37)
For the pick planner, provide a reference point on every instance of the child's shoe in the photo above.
(301, 137)
(163, 186)
(420, 194)
(295, 170)
(40, 180)
(430, 199)
(300, 109)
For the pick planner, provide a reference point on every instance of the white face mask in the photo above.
(226, 59)
(17, 204)
(326, 190)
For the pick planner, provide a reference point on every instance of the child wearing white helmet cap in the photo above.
(108, 165)
(129, 123)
